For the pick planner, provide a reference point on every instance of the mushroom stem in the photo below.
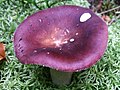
(60, 78)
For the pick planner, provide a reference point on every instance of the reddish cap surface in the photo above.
(66, 38)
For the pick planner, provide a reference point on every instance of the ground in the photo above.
(105, 75)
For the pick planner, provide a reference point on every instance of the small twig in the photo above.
(110, 10)
(117, 12)
(114, 20)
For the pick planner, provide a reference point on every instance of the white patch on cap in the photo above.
(65, 42)
(35, 51)
(84, 17)
(72, 40)
(67, 31)
(40, 20)
(57, 42)
(60, 49)
(48, 52)
(76, 34)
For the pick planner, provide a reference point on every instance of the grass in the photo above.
(105, 75)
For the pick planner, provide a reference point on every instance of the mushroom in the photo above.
(66, 39)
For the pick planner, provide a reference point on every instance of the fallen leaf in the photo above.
(2, 51)
(106, 18)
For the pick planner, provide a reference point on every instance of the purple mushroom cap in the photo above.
(66, 38)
